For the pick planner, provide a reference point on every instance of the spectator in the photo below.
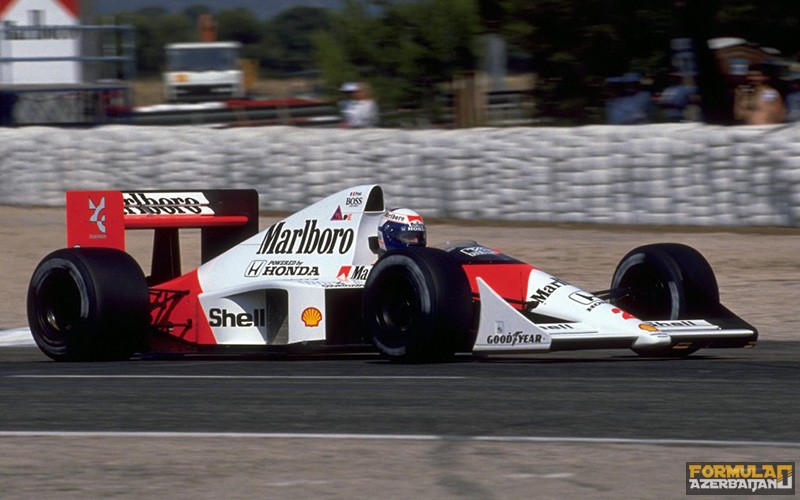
(359, 109)
(630, 104)
(758, 102)
(793, 98)
(677, 100)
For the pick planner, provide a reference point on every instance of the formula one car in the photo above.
(315, 279)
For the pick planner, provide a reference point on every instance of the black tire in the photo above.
(665, 281)
(88, 304)
(418, 305)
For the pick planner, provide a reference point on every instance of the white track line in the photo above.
(401, 437)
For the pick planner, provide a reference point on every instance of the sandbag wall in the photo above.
(687, 174)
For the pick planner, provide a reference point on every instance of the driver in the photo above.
(400, 228)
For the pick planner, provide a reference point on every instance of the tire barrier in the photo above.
(682, 174)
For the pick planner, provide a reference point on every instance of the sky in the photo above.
(263, 8)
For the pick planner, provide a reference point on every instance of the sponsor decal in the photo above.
(625, 315)
(259, 268)
(223, 318)
(166, 204)
(586, 299)
(647, 328)
(353, 273)
(308, 239)
(512, 339)
(541, 295)
(682, 323)
(556, 327)
(354, 199)
(331, 283)
(40, 33)
(311, 317)
(740, 478)
(338, 215)
(413, 220)
(583, 298)
(98, 217)
(394, 217)
(478, 251)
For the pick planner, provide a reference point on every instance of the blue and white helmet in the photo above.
(401, 228)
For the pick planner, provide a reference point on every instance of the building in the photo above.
(57, 68)
(31, 30)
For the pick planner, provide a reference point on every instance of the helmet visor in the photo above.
(411, 238)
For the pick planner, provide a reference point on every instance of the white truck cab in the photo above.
(204, 71)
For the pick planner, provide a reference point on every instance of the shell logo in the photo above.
(311, 316)
(181, 78)
(647, 328)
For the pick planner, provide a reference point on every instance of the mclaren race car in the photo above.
(318, 279)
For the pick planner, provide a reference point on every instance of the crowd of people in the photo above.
(764, 99)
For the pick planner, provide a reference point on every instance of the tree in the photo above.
(239, 25)
(287, 46)
(576, 44)
(155, 28)
(404, 49)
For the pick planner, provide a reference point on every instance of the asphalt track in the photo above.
(516, 425)
(599, 424)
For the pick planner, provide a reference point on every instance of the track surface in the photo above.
(717, 396)
(602, 424)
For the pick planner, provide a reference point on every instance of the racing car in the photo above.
(320, 278)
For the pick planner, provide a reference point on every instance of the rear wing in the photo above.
(225, 217)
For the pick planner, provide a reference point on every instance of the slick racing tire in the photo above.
(88, 304)
(418, 305)
(665, 281)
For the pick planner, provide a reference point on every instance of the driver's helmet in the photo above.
(401, 228)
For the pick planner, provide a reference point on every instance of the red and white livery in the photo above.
(315, 279)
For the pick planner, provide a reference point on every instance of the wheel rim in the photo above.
(648, 294)
(395, 309)
(61, 300)
(400, 304)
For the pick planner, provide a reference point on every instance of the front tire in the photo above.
(88, 304)
(418, 305)
(665, 281)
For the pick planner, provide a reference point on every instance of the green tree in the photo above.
(193, 12)
(405, 49)
(155, 28)
(577, 44)
(239, 25)
(287, 45)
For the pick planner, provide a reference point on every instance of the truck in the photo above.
(204, 71)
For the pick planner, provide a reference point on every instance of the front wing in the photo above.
(503, 329)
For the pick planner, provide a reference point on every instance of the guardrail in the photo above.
(294, 111)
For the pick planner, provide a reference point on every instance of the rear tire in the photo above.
(418, 305)
(666, 281)
(88, 304)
